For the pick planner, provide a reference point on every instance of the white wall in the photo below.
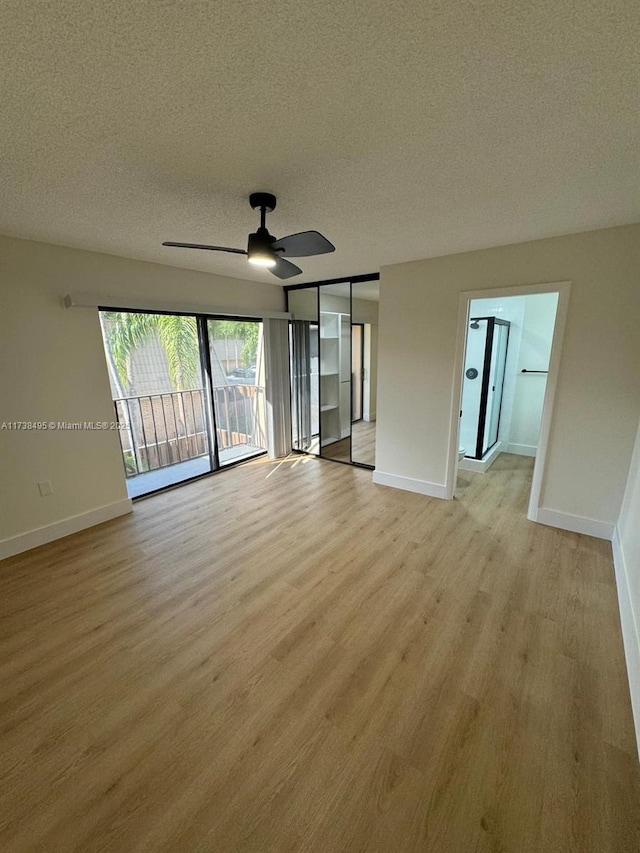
(54, 369)
(597, 404)
(627, 560)
(529, 388)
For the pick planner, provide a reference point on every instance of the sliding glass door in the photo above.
(188, 392)
(305, 373)
(237, 385)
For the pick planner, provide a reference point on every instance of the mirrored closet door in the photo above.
(334, 369)
(364, 348)
(305, 370)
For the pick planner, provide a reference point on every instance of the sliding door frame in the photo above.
(361, 377)
(205, 365)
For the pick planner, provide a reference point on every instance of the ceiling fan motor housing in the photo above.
(260, 241)
(262, 200)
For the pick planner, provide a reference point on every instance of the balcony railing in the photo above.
(166, 429)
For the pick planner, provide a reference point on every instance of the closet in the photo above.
(329, 386)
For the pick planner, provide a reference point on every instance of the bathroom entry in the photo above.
(483, 383)
(507, 356)
(537, 314)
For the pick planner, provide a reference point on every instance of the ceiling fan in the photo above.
(263, 250)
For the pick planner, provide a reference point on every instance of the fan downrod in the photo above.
(266, 201)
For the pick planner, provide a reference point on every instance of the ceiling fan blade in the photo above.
(303, 245)
(203, 246)
(285, 269)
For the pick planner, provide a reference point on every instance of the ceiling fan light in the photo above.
(259, 251)
(262, 259)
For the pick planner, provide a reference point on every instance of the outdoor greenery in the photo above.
(178, 335)
(123, 331)
(238, 330)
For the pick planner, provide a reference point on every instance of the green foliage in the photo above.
(179, 338)
(241, 330)
(177, 334)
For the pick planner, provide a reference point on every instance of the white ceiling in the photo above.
(401, 131)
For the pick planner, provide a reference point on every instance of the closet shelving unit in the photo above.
(335, 376)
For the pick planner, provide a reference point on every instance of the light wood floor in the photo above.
(360, 446)
(287, 658)
(363, 442)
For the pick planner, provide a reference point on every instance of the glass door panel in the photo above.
(237, 386)
(364, 317)
(335, 371)
(496, 383)
(472, 385)
(156, 376)
(305, 367)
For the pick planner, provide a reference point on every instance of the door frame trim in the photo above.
(563, 289)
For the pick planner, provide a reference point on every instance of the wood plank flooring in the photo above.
(363, 442)
(360, 446)
(286, 658)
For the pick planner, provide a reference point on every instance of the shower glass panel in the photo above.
(485, 360)
(472, 386)
(305, 378)
(496, 383)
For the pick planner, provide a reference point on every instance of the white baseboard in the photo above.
(409, 484)
(630, 629)
(575, 523)
(42, 535)
(520, 449)
(369, 416)
(481, 465)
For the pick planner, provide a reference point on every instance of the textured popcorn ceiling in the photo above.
(400, 130)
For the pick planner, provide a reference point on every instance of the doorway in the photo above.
(517, 411)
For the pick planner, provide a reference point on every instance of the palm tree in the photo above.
(125, 331)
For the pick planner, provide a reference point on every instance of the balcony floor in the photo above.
(151, 481)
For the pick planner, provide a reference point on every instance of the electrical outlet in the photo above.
(45, 488)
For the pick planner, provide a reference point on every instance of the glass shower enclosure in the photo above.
(484, 369)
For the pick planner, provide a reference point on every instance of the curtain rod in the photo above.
(124, 303)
